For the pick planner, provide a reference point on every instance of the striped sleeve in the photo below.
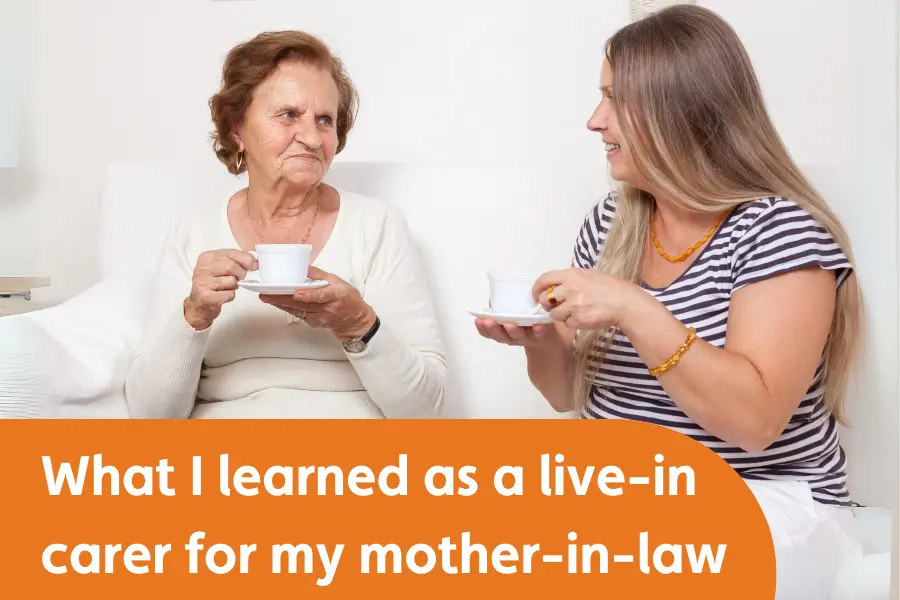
(781, 237)
(593, 232)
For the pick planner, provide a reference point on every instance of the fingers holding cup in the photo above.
(553, 300)
(561, 314)
(552, 297)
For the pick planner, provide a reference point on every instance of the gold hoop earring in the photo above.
(240, 160)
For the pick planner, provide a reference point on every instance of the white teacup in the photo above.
(511, 292)
(282, 263)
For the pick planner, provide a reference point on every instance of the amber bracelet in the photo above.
(692, 335)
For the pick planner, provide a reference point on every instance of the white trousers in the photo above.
(811, 539)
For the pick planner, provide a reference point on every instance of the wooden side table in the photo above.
(15, 294)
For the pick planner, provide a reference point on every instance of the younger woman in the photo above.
(714, 292)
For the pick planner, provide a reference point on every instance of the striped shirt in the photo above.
(758, 240)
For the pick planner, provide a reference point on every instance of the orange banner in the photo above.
(391, 508)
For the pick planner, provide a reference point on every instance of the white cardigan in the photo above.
(255, 361)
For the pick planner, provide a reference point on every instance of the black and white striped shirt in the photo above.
(756, 241)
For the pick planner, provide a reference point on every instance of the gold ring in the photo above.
(550, 297)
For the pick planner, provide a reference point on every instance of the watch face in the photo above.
(354, 346)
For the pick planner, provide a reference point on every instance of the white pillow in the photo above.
(863, 578)
(874, 527)
(88, 345)
(20, 382)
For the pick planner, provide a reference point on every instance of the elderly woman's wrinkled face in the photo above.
(289, 131)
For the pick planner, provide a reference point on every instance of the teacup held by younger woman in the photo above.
(511, 300)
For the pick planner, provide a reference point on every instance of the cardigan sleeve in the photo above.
(403, 367)
(164, 374)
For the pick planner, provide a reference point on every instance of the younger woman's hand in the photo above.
(586, 299)
(514, 335)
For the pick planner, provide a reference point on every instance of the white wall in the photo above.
(430, 89)
(895, 548)
(18, 206)
(133, 79)
(11, 88)
(874, 173)
(476, 94)
(872, 214)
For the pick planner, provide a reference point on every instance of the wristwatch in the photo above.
(357, 345)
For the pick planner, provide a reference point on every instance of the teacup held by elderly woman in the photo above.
(283, 269)
(292, 298)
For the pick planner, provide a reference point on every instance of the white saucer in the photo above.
(281, 289)
(526, 320)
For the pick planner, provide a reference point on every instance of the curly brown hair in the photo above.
(248, 64)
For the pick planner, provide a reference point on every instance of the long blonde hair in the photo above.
(690, 107)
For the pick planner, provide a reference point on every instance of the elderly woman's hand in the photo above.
(338, 306)
(214, 283)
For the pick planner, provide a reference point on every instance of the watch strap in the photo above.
(372, 331)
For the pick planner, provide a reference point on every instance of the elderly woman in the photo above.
(366, 345)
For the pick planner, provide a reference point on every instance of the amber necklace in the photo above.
(684, 255)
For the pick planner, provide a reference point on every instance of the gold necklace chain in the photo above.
(684, 255)
(308, 232)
